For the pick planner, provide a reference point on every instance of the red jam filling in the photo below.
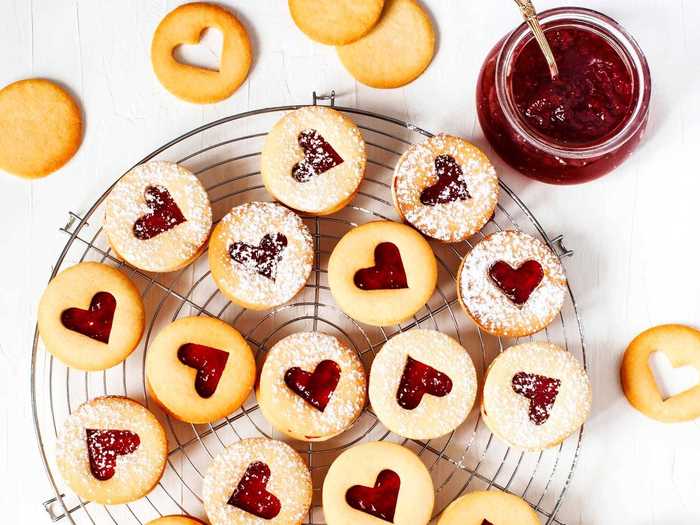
(449, 187)
(319, 156)
(378, 501)
(163, 214)
(104, 446)
(517, 284)
(96, 322)
(486, 522)
(387, 272)
(540, 390)
(315, 388)
(419, 379)
(209, 363)
(263, 258)
(251, 494)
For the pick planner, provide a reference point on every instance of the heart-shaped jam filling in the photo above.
(419, 379)
(104, 446)
(387, 272)
(449, 187)
(540, 390)
(486, 522)
(378, 501)
(96, 322)
(263, 258)
(319, 156)
(251, 494)
(518, 284)
(315, 388)
(163, 214)
(209, 363)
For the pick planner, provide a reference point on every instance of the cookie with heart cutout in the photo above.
(489, 507)
(535, 396)
(335, 22)
(256, 481)
(511, 284)
(312, 386)
(200, 369)
(158, 217)
(446, 188)
(91, 316)
(176, 520)
(111, 450)
(422, 384)
(378, 481)
(382, 273)
(261, 255)
(314, 160)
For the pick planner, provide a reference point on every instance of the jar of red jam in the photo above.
(584, 123)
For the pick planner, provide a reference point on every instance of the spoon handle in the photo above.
(530, 16)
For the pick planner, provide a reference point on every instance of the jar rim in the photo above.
(609, 29)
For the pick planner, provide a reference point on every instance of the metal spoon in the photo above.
(530, 15)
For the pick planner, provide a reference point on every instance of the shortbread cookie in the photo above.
(314, 160)
(422, 384)
(378, 482)
(312, 386)
(335, 22)
(382, 273)
(41, 128)
(396, 51)
(200, 369)
(185, 25)
(446, 188)
(681, 344)
(111, 450)
(158, 217)
(91, 316)
(176, 520)
(489, 508)
(535, 396)
(511, 284)
(261, 255)
(257, 481)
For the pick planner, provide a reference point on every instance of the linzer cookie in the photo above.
(335, 22)
(490, 507)
(176, 520)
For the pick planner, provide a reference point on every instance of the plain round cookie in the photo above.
(288, 481)
(390, 376)
(260, 255)
(176, 520)
(185, 25)
(681, 344)
(171, 196)
(179, 376)
(360, 466)
(553, 398)
(356, 251)
(321, 185)
(134, 473)
(78, 288)
(41, 128)
(498, 508)
(446, 188)
(335, 22)
(396, 51)
(287, 366)
(489, 305)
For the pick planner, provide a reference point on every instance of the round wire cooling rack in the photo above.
(225, 155)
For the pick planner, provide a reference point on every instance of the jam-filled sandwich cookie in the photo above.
(446, 188)
(511, 284)
(422, 384)
(91, 316)
(314, 160)
(176, 520)
(535, 396)
(312, 386)
(378, 482)
(257, 481)
(260, 255)
(111, 450)
(335, 22)
(382, 273)
(158, 217)
(200, 369)
(489, 508)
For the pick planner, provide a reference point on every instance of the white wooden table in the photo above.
(634, 232)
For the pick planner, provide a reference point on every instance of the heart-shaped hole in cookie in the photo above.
(206, 54)
(669, 380)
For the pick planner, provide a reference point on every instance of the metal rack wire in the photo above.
(225, 155)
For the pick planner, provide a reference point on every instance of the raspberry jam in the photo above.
(517, 284)
(209, 363)
(251, 494)
(263, 258)
(542, 391)
(164, 214)
(319, 156)
(386, 274)
(103, 447)
(315, 388)
(449, 187)
(96, 322)
(419, 379)
(378, 501)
